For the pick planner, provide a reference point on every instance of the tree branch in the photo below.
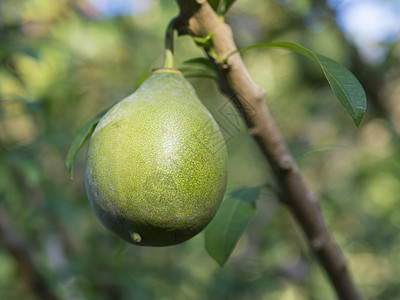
(197, 18)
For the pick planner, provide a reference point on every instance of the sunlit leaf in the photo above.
(228, 225)
(343, 83)
(79, 140)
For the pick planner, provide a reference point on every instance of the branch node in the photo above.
(252, 131)
(225, 66)
(286, 163)
(317, 244)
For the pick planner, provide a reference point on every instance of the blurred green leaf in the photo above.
(224, 231)
(79, 140)
(344, 84)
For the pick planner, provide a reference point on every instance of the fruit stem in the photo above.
(169, 45)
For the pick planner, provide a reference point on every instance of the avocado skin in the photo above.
(156, 166)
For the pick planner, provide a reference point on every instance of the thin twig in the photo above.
(197, 18)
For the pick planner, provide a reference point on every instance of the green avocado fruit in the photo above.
(156, 167)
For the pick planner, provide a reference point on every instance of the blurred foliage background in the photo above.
(63, 62)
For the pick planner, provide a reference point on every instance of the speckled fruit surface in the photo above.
(157, 164)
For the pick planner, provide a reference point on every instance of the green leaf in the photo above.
(344, 84)
(225, 229)
(346, 88)
(79, 140)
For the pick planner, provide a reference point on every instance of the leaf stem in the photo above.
(169, 45)
(287, 45)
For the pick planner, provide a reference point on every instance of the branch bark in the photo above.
(197, 18)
